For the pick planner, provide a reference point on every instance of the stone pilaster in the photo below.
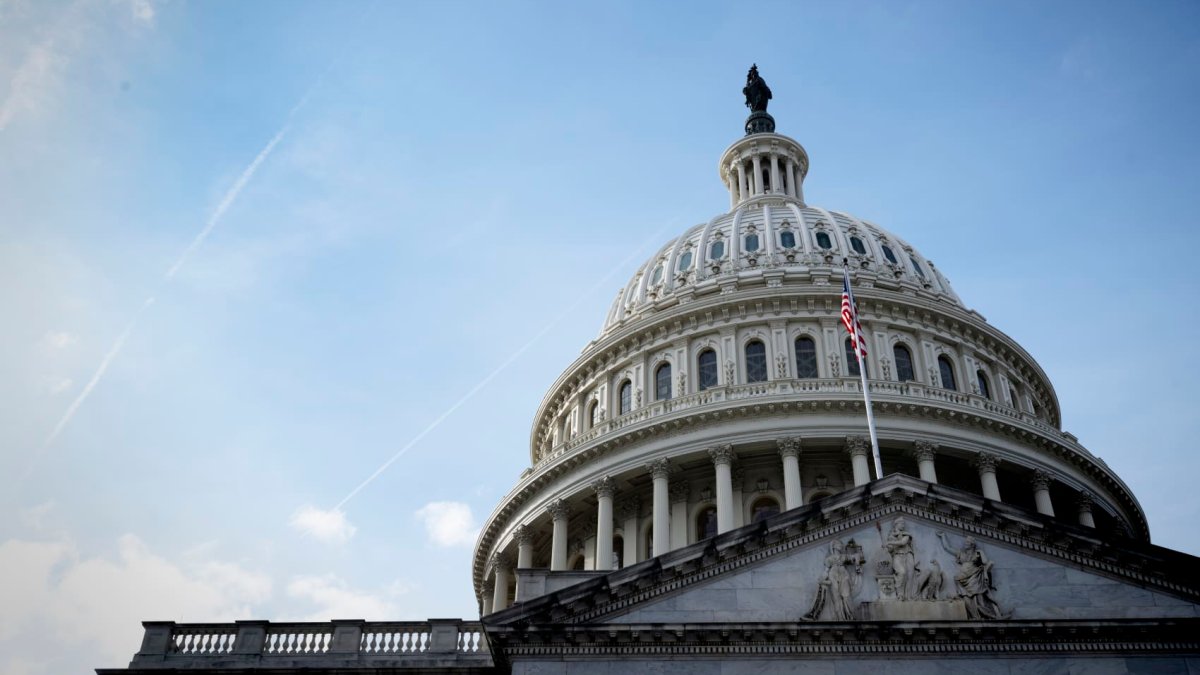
(789, 452)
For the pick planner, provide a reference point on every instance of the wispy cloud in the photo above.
(335, 599)
(330, 527)
(448, 523)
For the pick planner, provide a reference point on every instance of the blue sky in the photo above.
(452, 180)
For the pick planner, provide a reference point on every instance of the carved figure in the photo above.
(756, 90)
(974, 579)
(843, 567)
(930, 582)
(899, 545)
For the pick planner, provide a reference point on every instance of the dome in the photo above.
(774, 240)
(723, 388)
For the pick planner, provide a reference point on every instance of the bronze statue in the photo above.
(756, 90)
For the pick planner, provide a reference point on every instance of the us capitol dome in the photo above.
(723, 390)
(700, 497)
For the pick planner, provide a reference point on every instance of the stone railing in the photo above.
(802, 389)
(432, 644)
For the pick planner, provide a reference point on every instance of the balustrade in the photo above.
(337, 643)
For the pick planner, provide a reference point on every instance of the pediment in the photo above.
(952, 557)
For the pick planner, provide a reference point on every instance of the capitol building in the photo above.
(701, 495)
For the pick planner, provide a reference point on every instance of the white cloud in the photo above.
(32, 82)
(449, 523)
(143, 11)
(330, 527)
(59, 339)
(337, 601)
(59, 606)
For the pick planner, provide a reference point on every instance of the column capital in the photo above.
(986, 462)
(1084, 501)
(659, 468)
(924, 450)
(722, 454)
(523, 534)
(629, 508)
(500, 560)
(679, 491)
(789, 447)
(857, 445)
(1040, 480)
(605, 487)
(558, 509)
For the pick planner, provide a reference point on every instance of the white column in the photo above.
(485, 605)
(628, 512)
(659, 469)
(722, 457)
(775, 180)
(500, 564)
(1041, 492)
(741, 176)
(757, 177)
(1084, 503)
(559, 511)
(859, 448)
(523, 534)
(925, 452)
(986, 464)
(604, 523)
(679, 513)
(790, 171)
(789, 450)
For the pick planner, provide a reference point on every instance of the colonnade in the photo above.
(745, 177)
(669, 504)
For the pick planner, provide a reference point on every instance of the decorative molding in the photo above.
(605, 487)
(558, 509)
(858, 445)
(722, 454)
(924, 450)
(679, 491)
(1084, 502)
(1040, 480)
(985, 462)
(523, 534)
(659, 468)
(789, 446)
(629, 508)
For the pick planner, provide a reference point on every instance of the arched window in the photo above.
(626, 396)
(823, 240)
(592, 408)
(917, 266)
(806, 357)
(891, 257)
(706, 366)
(763, 508)
(662, 382)
(717, 250)
(947, 371)
(656, 276)
(756, 361)
(566, 432)
(984, 390)
(857, 245)
(904, 364)
(685, 261)
(852, 360)
(787, 239)
(751, 243)
(706, 523)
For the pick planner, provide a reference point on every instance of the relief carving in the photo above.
(974, 580)
(839, 585)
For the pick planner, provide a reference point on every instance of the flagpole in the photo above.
(862, 372)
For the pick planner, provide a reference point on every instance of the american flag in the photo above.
(850, 317)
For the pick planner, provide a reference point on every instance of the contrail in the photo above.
(499, 369)
(214, 219)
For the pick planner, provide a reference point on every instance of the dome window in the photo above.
(751, 243)
(852, 361)
(662, 382)
(787, 239)
(717, 250)
(656, 276)
(823, 241)
(917, 266)
(857, 245)
(756, 361)
(984, 390)
(763, 508)
(904, 365)
(706, 365)
(806, 357)
(685, 261)
(891, 257)
(592, 409)
(946, 369)
(626, 397)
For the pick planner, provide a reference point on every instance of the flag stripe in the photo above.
(850, 318)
